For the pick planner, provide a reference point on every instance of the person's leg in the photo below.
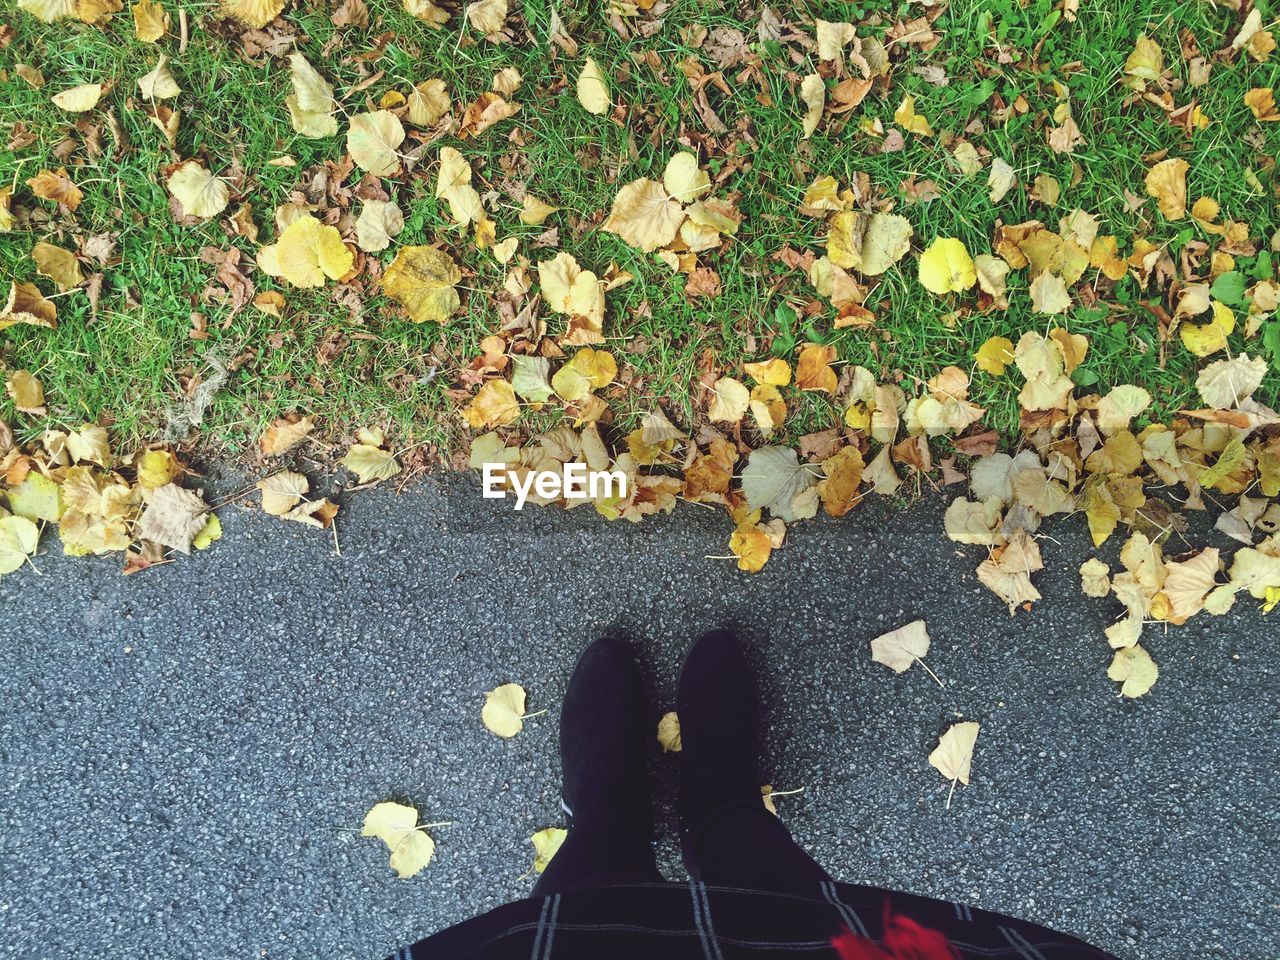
(606, 781)
(727, 836)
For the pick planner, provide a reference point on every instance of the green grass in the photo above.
(131, 363)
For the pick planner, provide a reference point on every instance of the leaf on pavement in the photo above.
(546, 843)
(396, 825)
(173, 517)
(899, 649)
(669, 732)
(503, 711)
(953, 756)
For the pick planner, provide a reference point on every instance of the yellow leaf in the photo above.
(953, 756)
(546, 843)
(282, 491)
(27, 393)
(775, 372)
(428, 103)
(370, 463)
(1135, 669)
(311, 106)
(200, 193)
(813, 93)
(284, 433)
(907, 118)
(378, 223)
(813, 370)
(487, 16)
(768, 409)
(1208, 338)
(586, 371)
(503, 711)
(1262, 104)
(150, 21)
(730, 401)
(669, 732)
(750, 543)
(1049, 294)
(19, 538)
(533, 211)
(422, 279)
(156, 468)
(1146, 62)
(899, 649)
(947, 266)
(494, 405)
(593, 88)
(839, 491)
(79, 99)
(159, 84)
(644, 215)
(396, 825)
(306, 253)
(1167, 182)
(994, 355)
(683, 179)
(256, 13)
(60, 266)
(372, 139)
(50, 10)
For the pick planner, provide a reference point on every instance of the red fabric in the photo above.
(904, 939)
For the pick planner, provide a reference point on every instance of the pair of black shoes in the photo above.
(605, 735)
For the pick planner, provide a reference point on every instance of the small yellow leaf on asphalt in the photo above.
(953, 756)
(282, 491)
(422, 279)
(899, 649)
(1134, 669)
(669, 732)
(79, 99)
(372, 140)
(503, 711)
(593, 88)
(546, 843)
(18, 540)
(947, 266)
(200, 193)
(396, 825)
(751, 544)
(1095, 578)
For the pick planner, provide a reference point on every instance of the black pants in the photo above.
(740, 844)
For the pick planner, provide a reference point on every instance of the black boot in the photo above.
(719, 731)
(602, 738)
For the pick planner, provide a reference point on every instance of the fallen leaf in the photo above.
(953, 756)
(1167, 182)
(593, 89)
(396, 825)
(1135, 670)
(899, 649)
(173, 517)
(422, 279)
(546, 843)
(372, 140)
(200, 193)
(946, 266)
(669, 732)
(503, 711)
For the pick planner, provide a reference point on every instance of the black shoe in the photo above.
(602, 738)
(719, 730)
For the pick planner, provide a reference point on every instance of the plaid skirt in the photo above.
(694, 921)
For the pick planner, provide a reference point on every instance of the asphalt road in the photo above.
(187, 754)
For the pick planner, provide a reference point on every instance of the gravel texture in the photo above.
(188, 753)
